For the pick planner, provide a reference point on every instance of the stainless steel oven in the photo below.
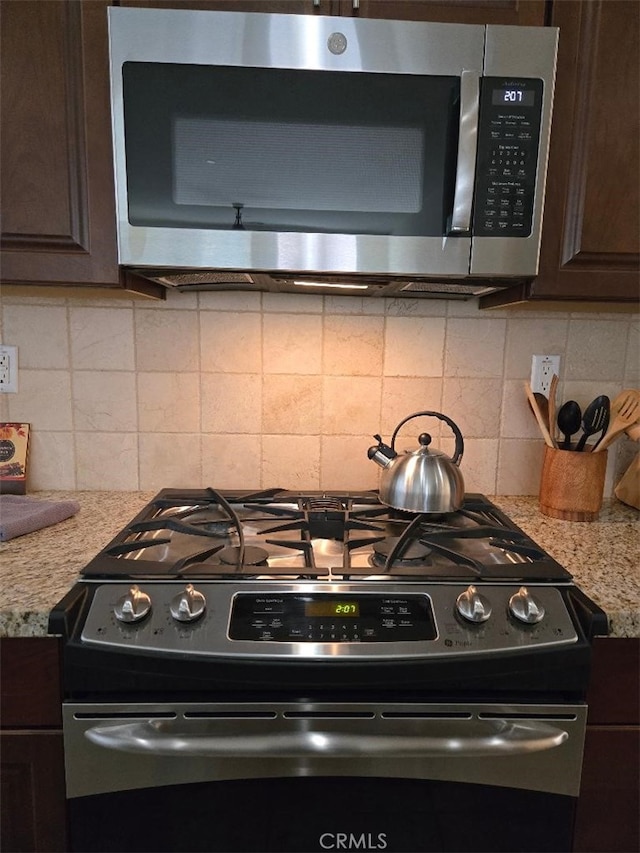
(301, 672)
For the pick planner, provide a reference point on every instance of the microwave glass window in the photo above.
(312, 151)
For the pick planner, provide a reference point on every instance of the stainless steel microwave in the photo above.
(284, 152)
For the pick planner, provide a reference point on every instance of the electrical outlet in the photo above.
(8, 369)
(542, 369)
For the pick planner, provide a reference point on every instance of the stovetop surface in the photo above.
(286, 535)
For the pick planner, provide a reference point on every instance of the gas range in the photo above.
(234, 582)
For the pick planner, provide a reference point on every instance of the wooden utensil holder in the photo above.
(572, 484)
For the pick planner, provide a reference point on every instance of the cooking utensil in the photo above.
(595, 419)
(543, 407)
(538, 414)
(569, 420)
(553, 387)
(625, 411)
(423, 480)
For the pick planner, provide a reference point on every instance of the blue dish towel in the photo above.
(20, 514)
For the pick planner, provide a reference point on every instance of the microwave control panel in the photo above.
(508, 138)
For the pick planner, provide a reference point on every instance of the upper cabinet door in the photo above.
(515, 12)
(283, 7)
(591, 230)
(58, 207)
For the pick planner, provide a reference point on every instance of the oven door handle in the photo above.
(497, 737)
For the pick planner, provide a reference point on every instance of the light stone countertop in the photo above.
(38, 569)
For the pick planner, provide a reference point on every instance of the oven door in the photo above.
(312, 776)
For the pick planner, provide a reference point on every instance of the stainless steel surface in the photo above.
(467, 146)
(300, 42)
(473, 606)
(532, 747)
(526, 607)
(209, 636)
(523, 52)
(424, 480)
(133, 606)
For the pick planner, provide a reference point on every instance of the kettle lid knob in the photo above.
(425, 439)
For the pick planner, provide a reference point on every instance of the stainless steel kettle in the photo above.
(423, 480)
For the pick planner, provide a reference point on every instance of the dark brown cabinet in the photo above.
(607, 814)
(515, 12)
(33, 816)
(57, 198)
(591, 232)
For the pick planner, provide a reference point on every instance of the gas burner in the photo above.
(415, 552)
(253, 556)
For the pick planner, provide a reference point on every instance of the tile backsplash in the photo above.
(245, 390)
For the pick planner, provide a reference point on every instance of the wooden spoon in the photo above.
(553, 387)
(625, 410)
(539, 416)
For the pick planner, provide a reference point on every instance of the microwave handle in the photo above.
(467, 147)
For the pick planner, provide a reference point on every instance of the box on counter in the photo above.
(14, 448)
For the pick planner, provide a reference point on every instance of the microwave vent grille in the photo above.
(449, 288)
(204, 278)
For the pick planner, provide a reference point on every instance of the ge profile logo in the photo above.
(337, 43)
(7, 450)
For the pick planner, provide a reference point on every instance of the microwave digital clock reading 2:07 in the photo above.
(513, 96)
(332, 608)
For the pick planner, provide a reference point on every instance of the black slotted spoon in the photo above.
(595, 419)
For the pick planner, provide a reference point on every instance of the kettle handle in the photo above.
(459, 449)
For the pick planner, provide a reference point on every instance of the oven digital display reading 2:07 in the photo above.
(332, 608)
(514, 97)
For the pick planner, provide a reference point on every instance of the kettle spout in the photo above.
(381, 453)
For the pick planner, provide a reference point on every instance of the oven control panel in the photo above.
(325, 618)
(270, 619)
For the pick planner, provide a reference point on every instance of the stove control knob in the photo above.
(472, 606)
(525, 607)
(133, 606)
(188, 605)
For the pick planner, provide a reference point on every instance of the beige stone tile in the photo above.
(479, 464)
(518, 421)
(168, 402)
(227, 301)
(528, 337)
(51, 461)
(596, 350)
(291, 404)
(231, 461)
(104, 401)
(43, 399)
(180, 300)
(166, 340)
(101, 338)
(351, 405)
(404, 307)
(231, 403)
(344, 305)
(230, 342)
(168, 460)
(291, 461)
(292, 303)
(632, 363)
(402, 396)
(345, 465)
(353, 345)
(292, 343)
(475, 347)
(474, 405)
(414, 346)
(40, 332)
(107, 461)
(519, 467)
